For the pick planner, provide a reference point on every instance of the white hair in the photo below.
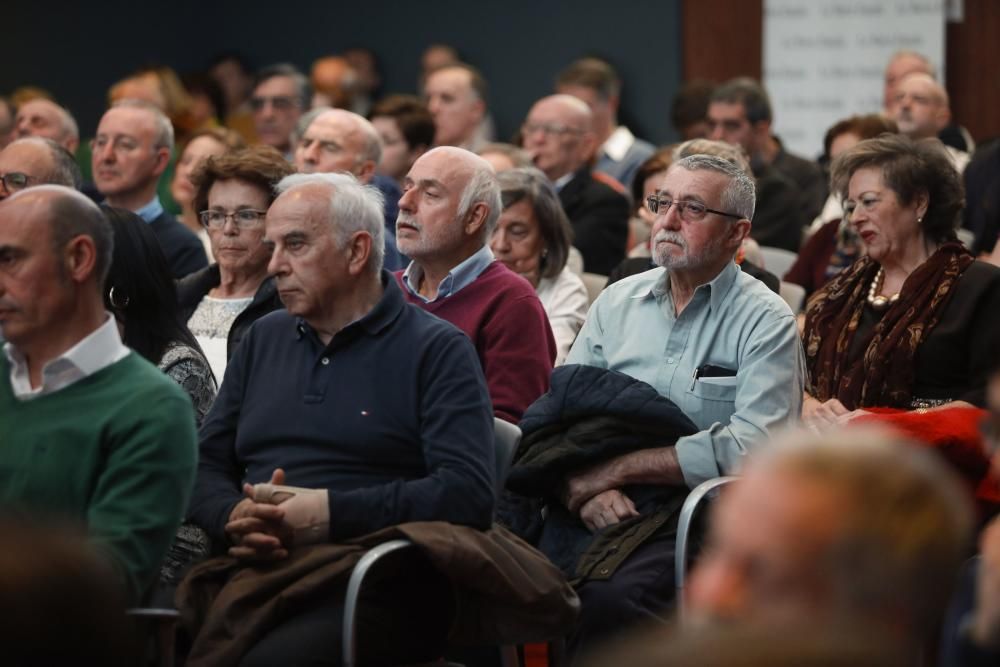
(353, 207)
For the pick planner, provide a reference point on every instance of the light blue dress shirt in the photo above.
(461, 276)
(151, 211)
(734, 322)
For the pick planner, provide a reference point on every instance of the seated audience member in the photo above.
(44, 118)
(406, 128)
(834, 243)
(748, 256)
(233, 74)
(707, 362)
(648, 177)
(532, 239)
(141, 295)
(331, 140)
(220, 302)
(334, 82)
(130, 152)
(903, 63)
(160, 86)
(60, 603)
(982, 195)
(201, 145)
(856, 529)
(456, 96)
(208, 102)
(558, 134)
(7, 128)
(93, 434)
(972, 631)
(435, 57)
(368, 79)
(922, 111)
(689, 110)
(504, 156)
(280, 96)
(36, 161)
(450, 207)
(421, 449)
(619, 153)
(909, 324)
(740, 114)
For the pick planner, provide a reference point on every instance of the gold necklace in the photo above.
(876, 300)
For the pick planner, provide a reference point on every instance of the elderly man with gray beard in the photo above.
(714, 341)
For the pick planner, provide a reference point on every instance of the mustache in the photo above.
(671, 237)
(407, 219)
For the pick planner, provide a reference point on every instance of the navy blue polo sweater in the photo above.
(392, 417)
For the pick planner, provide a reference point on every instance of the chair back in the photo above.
(794, 295)
(777, 260)
(506, 438)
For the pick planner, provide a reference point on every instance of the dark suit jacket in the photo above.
(778, 219)
(184, 252)
(599, 216)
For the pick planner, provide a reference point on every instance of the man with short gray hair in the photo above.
(714, 341)
(36, 161)
(450, 206)
(280, 96)
(384, 419)
(128, 155)
(331, 140)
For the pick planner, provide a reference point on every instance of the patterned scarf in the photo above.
(884, 374)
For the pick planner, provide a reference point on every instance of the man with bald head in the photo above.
(332, 140)
(36, 161)
(407, 438)
(921, 110)
(129, 154)
(93, 434)
(450, 207)
(45, 118)
(559, 136)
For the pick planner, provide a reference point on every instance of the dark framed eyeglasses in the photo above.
(690, 211)
(245, 218)
(15, 180)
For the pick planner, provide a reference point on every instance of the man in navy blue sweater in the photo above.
(375, 410)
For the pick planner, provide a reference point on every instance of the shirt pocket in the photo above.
(712, 400)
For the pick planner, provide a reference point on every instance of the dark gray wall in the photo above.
(76, 50)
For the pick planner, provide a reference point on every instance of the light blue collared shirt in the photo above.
(458, 278)
(733, 322)
(151, 211)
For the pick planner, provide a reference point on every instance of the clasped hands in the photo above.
(273, 517)
(593, 495)
(821, 415)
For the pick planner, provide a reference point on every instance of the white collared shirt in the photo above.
(617, 145)
(99, 349)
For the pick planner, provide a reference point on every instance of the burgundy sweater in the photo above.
(502, 315)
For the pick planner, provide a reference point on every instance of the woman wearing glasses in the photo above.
(233, 193)
(910, 324)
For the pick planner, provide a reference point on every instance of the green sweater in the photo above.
(115, 451)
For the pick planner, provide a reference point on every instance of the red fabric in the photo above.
(953, 433)
(502, 315)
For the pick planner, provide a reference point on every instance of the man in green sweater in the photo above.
(90, 433)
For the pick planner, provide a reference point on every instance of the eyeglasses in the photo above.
(15, 180)
(549, 129)
(868, 202)
(690, 211)
(245, 218)
(279, 102)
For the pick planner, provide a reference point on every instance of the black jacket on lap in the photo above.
(192, 289)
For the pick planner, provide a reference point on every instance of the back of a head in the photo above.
(749, 93)
(904, 529)
(140, 289)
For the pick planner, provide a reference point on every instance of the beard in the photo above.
(665, 256)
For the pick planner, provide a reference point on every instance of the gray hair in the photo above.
(909, 53)
(290, 71)
(730, 152)
(65, 171)
(740, 194)
(482, 188)
(164, 129)
(748, 92)
(531, 185)
(372, 149)
(353, 207)
(69, 125)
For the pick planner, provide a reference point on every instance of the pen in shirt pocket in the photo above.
(711, 371)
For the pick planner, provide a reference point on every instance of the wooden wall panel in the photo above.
(721, 39)
(972, 68)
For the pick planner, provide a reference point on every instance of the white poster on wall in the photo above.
(824, 59)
